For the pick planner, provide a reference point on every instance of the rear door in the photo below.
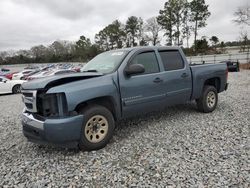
(142, 92)
(177, 77)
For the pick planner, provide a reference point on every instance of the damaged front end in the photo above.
(51, 105)
(46, 119)
(45, 105)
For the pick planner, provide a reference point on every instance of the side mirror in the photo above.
(4, 81)
(134, 69)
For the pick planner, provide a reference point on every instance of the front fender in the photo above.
(85, 90)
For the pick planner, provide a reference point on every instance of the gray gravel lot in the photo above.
(178, 147)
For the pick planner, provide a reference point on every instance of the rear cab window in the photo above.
(171, 59)
(148, 60)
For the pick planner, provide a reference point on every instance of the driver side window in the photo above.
(148, 60)
(1, 80)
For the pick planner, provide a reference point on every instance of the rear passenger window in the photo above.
(172, 60)
(148, 60)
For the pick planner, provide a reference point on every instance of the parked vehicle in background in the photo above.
(81, 109)
(25, 77)
(20, 75)
(233, 66)
(51, 72)
(76, 69)
(4, 71)
(10, 86)
(32, 67)
(37, 75)
(10, 75)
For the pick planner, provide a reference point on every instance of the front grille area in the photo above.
(29, 99)
(45, 105)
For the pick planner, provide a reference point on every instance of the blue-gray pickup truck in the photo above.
(82, 109)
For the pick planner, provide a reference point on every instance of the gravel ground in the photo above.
(179, 147)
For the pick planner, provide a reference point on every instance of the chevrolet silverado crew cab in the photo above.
(81, 109)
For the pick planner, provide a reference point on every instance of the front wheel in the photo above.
(97, 128)
(209, 99)
(16, 89)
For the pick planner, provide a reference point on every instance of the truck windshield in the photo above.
(106, 62)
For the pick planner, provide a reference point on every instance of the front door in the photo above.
(142, 92)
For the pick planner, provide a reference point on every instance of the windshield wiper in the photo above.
(91, 70)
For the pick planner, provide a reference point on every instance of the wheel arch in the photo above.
(216, 82)
(106, 101)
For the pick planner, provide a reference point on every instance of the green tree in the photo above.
(202, 45)
(111, 37)
(102, 40)
(199, 16)
(179, 8)
(117, 33)
(132, 30)
(171, 18)
(222, 47)
(214, 40)
(1, 61)
(141, 33)
(186, 26)
(82, 47)
(166, 20)
(58, 48)
(40, 53)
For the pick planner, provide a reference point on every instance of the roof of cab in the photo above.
(148, 47)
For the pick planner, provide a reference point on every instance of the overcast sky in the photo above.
(25, 23)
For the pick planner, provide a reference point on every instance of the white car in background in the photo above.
(20, 75)
(10, 86)
(51, 72)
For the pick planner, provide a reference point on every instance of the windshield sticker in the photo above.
(116, 53)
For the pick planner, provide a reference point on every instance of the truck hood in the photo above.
(52, 81)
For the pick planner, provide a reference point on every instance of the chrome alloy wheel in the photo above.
(211, 99)
(96, 128)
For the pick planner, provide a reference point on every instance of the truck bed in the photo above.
(202, 72)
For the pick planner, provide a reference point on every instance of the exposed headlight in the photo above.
(52, 105)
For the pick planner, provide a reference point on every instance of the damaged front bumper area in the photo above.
(63, 132)
(46, 119)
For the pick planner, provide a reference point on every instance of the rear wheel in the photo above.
(97, 128)
(208, 101)
(16, 89)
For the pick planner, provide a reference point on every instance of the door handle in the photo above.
(184, 75)
(157, 80)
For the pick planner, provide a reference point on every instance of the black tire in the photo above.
(208, 100)
(16, 89)
(104, 135)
